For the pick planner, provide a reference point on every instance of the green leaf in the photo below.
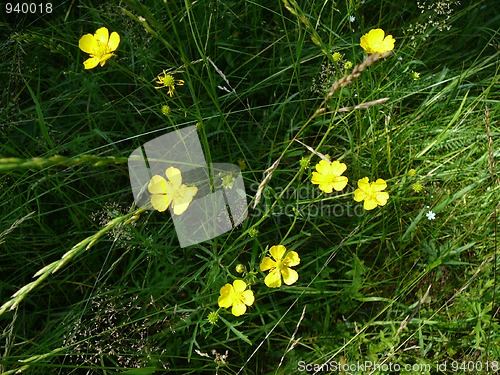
(238, 334)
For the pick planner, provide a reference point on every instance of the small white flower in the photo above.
(352, 18)
(430, 215)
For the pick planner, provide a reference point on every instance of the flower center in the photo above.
(238, 298)
(281, 265)
(168, 80)
(371, 194)
(103, 48)
(179, 193)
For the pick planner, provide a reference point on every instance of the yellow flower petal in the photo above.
(326, 187)
(267, 264)
(364, 44)
(247, 297)
(102, 36)
(91, 63)
(183, 198)
(289, 276)
(189, 191)
(369, 204)
(114, 41)
(174, 176)
(382, 198)
(160, 202)
(239, 286)
(376, 34)
(364, 183)
(359, 195)
(379, 185)
(388, 43)
(337, 168)
(179, 207)
(238, 309)
(273, 280)
(319, 178)
(226, 297)
(88, 44)
(157, 185)
(277, 252)
(323, 167)
(291, 259)
(339, 183)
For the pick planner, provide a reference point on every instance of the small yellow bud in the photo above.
(240, 268)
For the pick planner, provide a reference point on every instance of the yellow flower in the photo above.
(336, 56)
(329, 176)
(100, 46)
(415, 75)
(168, 80)
(371, 193)
(280, 267)
(172, 191)
(375, 41)
(236, 296)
